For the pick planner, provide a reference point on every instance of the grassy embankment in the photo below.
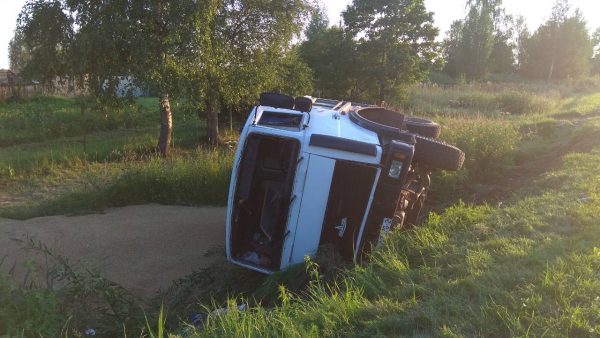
(525, 267)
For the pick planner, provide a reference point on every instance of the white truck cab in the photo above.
(313, 171)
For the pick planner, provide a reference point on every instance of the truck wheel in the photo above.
(422, 127)
(438, 154)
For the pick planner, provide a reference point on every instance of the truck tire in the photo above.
(422, 127)
(438, 154)
(277, 100)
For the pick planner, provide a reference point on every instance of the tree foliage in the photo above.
(215, 53)
(481, 43)
(242, 46)
(331, 55)
(47, 32)
(318, 22)
(489, 41)
(596, 57)
(383, 47)
(561, 48)
(396, 45)
(18, 54)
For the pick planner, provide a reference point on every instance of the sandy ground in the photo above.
(143, 248)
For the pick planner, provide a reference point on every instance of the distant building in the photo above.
(8, 77)
(126, 86)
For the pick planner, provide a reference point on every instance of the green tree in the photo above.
(396, 45)
(47, 32)
(214, 52)
(18, 54)
(161, 46)
(93, 44)
(331, 54)
(502, 59)
(241, 48)
(561, 48)
(596, 57)
(318, 22)
(521, 35)
(476, 41)
(295, 77)
(481, 43)
(452, 50)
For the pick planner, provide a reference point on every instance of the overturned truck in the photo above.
(313, 171)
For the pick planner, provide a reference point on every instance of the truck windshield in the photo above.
(281, 120)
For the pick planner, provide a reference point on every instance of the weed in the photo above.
(64, 297)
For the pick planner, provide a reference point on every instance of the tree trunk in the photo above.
(551, 71)
(166, 126)
(212, 124)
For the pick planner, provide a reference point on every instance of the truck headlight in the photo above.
(395, 169)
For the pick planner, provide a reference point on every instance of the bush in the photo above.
(508, 78)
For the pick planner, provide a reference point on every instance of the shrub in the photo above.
(508, 78)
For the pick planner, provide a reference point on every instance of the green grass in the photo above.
(61, 169)
(481, 100)
(45, 118)
(495, 101)
(111, 146)
(529, 268)
(581, 105)
(198, 178)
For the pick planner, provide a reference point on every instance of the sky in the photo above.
(445, 12)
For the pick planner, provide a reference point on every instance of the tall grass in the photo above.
(47, 118)
(58, 299)
(463, 101)
(489, 145)
(200, 178)
(28, 312)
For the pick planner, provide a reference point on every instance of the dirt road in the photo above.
(143, 248)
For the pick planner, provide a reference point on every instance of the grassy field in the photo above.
(512, 248)
(49, 174)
